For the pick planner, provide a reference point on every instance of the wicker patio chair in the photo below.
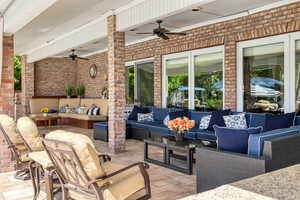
(18, 148)
(84, 176)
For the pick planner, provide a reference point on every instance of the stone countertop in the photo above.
(282, 184)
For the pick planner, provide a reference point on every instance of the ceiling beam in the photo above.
(20, 13)
(134, 14)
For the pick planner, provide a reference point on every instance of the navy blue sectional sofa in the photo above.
(143, 130)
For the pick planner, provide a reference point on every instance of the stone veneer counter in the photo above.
(282, 184)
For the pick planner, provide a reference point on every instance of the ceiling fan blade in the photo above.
(83, 58)
(171, 33)
(163, 36)
(144, 33)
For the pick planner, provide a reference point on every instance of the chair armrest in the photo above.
(141, 165)
(215, 168)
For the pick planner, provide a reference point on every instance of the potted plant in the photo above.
(69, 91)
(181, 126)
(80, 91)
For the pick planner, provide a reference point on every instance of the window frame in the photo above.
(190, 55)
(134, 64)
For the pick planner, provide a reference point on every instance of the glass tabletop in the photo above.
(186, 143)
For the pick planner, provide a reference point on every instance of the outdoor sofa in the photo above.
(74, 119)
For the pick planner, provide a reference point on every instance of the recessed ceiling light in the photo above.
(133, 29)
(196, 9)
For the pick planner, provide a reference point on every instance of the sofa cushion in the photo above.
(217, 118)
(279, 121)
(234, 140)
(257, 119)
(135, 111)
(29, 131)
(196, 133)
(101, 125)
(150, 126)
(83, 117)
(176, 114)
(297, 120)
(160, 113)
(37, 104)
(256, 142)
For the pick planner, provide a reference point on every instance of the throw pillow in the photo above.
(134, 113)
(166, 120)
(83, 110)
(62, 109)
(217, 118)
(234, 140)
(236, 121)
(96, 111)
(90, 110)
(204, 123)
(279, 121)
(145, 117)
(70, 110)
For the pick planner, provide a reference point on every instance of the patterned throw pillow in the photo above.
(83, 110)
(70, 110)
(236, 121)
(166, 120)
(145, 117)
(96, 111)
(204, 123)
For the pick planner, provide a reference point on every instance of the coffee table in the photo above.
(47, 120)
(178, 156)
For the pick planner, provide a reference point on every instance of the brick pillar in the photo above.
(230, 96)
(157, 80)
(27, 84)
(7, 98)
(116, 87)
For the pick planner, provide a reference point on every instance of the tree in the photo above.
(17, 72)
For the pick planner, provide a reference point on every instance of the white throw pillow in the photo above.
(166, 120)
(237, 121)
(145, 117)
(204, 123)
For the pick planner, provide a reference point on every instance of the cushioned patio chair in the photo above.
(85, 176)
(19, 150)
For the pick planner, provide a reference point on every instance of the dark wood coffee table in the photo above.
(178, 156)
(47, 120)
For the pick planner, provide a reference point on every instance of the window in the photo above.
(264, 78)
(209, 81)
(194, 79)
(177, 78)
(140, 82)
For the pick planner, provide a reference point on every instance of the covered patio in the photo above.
(122, 72)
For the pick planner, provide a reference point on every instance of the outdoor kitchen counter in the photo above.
(282, 184)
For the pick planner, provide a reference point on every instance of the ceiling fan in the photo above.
(162, 32)
(73, 56)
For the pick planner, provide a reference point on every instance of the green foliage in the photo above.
(69, 90)
(17, 72)
(80, 90)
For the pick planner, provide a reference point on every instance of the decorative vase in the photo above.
(45, 114)
(179, 136)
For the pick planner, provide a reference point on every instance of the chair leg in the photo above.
(33, 178)
(23, 174)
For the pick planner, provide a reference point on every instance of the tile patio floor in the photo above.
(166, 184)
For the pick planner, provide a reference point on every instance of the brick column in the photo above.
(27, 84)
(157, 80)
(116, 87)
(7, 99)
(230, 96)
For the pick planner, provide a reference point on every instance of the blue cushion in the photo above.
(274, 122)
(135, 111)
(217, 118)
(101, 126)
(257, 119)
(197, 133)
(197, 116)
(297, 120)
(150, 126)
(176, 114)
(256, 142)
(234, 140)
(160, 113)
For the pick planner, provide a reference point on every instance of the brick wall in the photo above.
(93, 86)
(7, 99)
(53, 74)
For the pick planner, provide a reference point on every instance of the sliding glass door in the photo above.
(194, 79)
(140, 82)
